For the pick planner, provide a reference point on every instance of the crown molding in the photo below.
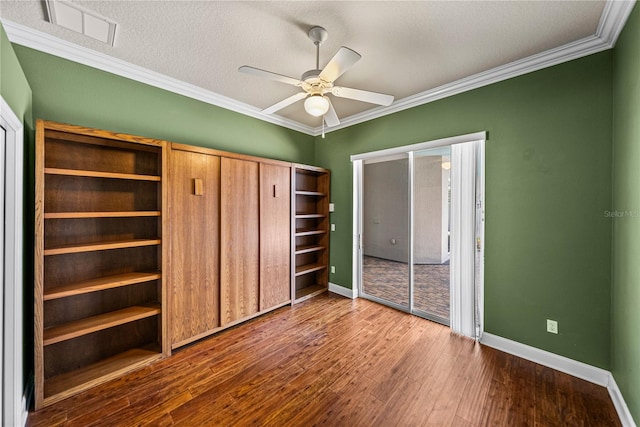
(47, 43)
(612, 21)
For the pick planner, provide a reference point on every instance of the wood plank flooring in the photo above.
(331, 361)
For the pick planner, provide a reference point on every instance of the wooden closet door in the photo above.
(195, 201)
(239, 239)
(275, 235)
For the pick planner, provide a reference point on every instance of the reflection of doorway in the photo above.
(418, 214)
(431, 233)
(385, 225)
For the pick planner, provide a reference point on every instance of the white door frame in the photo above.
(14, 406)
(358, 166)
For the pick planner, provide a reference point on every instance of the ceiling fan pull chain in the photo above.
(323, 126)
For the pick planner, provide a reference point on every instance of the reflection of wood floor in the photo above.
(390, 280)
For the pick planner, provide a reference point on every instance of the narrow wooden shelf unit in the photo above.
(311, 193)
(68, 331)
(99, 292)
(309, 268)
(99, 174)
(65, 385)
(103, 246)
(310, 231)
(99, 284)
(310, 248)
(308, 216)
(115, 214)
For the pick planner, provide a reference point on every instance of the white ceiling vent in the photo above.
(81, 20)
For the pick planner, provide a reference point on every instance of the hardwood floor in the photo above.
(331, 361)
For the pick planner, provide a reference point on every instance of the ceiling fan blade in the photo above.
(362, 95)
(285, 103)
(330, 117)
(341, 62)
(269, 75)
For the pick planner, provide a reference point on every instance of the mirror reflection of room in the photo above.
(386, 228)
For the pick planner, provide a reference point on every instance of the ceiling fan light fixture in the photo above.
(316, 105)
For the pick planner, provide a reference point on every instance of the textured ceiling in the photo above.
(406, 47)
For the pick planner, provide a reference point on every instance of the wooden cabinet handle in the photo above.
(198, 187)
(276, 193)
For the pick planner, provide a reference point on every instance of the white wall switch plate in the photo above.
(333, 227)
(333, 269)
(331, 207)
(552, 326)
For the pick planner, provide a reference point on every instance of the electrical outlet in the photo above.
(333, 269)
(552, 326)
(333, 227)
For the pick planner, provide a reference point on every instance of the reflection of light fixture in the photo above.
(446, 165)
(316, 105)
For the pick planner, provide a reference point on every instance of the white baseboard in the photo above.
(25, 412)
(26, 401)
(568, 366)
(618, 401)
(559, 363)
(341, 290)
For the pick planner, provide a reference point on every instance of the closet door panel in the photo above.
(275, 235)
(195, 201)
(239, 239)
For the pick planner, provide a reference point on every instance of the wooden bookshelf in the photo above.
(103, 246)
(99, 289)
(98, 174)
(309, 248)
(71, 215)
(309, 268)
(65, 385)
(99, 284)
(88, 325)
(310, 231)
(308, 216)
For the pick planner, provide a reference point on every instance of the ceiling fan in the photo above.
(317, 83)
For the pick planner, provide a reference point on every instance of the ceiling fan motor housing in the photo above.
(314, 85)
(318, 34)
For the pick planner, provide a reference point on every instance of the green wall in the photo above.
(625, 309)
(548, 183)
(69, 92)
(13, 84)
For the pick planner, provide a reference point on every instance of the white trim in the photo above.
(618, 401)
(47, 43)
(551, 360)
(442, 142)
(480, 215)
(464, 164)
(612, 20)
(14, 408)
(572, 367)
(341, 290)
(356, 265)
